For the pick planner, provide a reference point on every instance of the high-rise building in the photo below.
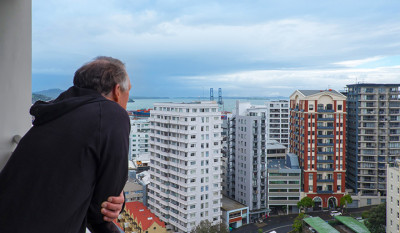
(273, 118)
(318, 137)
(373, 135)
(393, 197)
(139, 138)
(252, 128)
(185, 164)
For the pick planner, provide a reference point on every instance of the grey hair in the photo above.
(102, 74)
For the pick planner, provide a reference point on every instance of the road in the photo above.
(283, 223)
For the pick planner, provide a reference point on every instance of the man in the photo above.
(72, 159)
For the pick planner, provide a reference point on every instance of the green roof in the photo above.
(353, 224)
(320, 225)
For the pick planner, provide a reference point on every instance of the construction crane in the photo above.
(220, 102)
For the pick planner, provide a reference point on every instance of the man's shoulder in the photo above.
(112, 109)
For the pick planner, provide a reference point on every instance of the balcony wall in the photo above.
(16, 72)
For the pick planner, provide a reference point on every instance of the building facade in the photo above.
(393, 197)
(254, 127)
(139, 138)
(373, 135)
(284, 184)
(318, 137)
(185, 164)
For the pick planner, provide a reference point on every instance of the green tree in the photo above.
(260, 230)
(376, 221)
(305, 202)
(298, 222)
(207, 227)
(345, 200)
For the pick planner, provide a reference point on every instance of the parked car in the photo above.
(335, 213)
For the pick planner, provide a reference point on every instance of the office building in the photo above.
(373, 135)
(185, 164)
(284, 184)
(318, 137)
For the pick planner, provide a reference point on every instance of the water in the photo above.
(229, 104)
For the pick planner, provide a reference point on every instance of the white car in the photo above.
(335, 213)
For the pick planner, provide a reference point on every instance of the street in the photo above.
(283, 223)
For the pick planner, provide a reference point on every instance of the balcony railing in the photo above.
(325, 161)
(324, 169)
(325, 180)
(324, 191)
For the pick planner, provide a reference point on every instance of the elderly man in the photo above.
(73, 159)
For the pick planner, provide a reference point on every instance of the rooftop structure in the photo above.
(137, 218)
(353, 224)
(319, 225)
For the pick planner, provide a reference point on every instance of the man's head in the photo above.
(107, 76)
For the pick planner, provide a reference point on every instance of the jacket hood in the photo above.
(67, 101)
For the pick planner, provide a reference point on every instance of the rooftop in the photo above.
(353, 224)
(230, 204)
(313, 92)
(143, 215)
(320, 225)
(290, 162)
(373, 84)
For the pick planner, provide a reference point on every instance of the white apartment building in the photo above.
(139, 138)
(255, 126)
(185, 164)
(273, 115)
(393, 197)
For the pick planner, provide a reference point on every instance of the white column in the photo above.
(16, 72)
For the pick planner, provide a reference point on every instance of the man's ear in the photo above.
(116, 93)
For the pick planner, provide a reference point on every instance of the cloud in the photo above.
(355, 63)
(285, 82)
(174, 44)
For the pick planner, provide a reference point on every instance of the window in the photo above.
(339, 107)
(311, 107)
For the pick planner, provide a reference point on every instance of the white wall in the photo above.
(15, 72)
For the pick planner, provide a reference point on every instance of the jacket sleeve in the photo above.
(112, 169)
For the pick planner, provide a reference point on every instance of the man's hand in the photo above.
(112, 207)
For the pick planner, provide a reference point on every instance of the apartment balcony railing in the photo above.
(324, 152)
(324, 169)
(324, 144)
(325, 119)
(325, 180)
(326, 136)
(325, 110)
(324, 127)
(324, 191)
(325, 161)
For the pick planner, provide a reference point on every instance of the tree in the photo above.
(207, 227)
(346, 199)
(298, 222)
(305, 202)
(376, 221)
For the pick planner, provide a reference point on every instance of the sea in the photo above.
(228, 104)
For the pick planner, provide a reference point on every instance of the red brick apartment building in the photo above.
(318, 137)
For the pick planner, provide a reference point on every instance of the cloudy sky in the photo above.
(248, 48)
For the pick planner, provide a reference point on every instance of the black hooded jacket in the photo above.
(73, 158)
